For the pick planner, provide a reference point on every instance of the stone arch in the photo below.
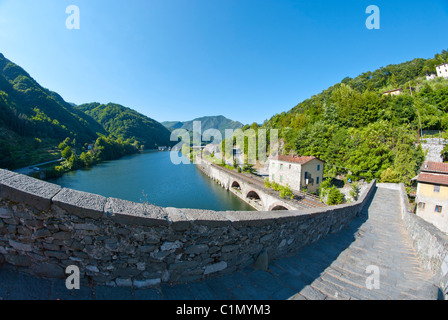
(253, 195)
(279, 207)
(236, 185)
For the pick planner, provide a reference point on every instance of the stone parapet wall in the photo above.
(430, 243)
(45, 228)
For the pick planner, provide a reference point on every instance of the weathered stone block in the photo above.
(123, 282)
(6, 213)
(61, 255)
(167, 246)
(62, 235)
(21, 246)
(41, 233)
(230, 248)
(141, 284)
(207, 218)
(177, 219)
(146, 249)
(5, 174)
(197, 249)
(80, 204)
(86, 227)
(183, 265)
(30, 191)
(215, 267)
(132, 213)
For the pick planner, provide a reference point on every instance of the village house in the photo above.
(442, 70)
(432, 194)
(431, 76)
(297, 172)
(394, 92)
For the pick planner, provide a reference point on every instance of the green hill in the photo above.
(34, 119)
(122, 122)
(359, 130)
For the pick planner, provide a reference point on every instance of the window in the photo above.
(421, 205)
(317, 180)
(281, 178)
(436, 188)
(318, 167)
(273, 177)
(281, 167)
(438, 209)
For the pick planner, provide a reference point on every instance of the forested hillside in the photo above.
(360, 131)
(122, 122)
(35, 122)
(34, 119)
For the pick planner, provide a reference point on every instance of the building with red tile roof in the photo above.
(432, 194)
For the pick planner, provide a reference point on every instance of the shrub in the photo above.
(285, 192)
(354, 193)
(335, 196)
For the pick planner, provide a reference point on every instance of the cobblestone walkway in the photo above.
(333, 268)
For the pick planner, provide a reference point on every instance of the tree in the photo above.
(66, 153)
(389, 176)
(87, 159)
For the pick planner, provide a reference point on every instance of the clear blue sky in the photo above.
(181, 59)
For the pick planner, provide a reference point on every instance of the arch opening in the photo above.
(236, 185)
(279, 208)
(252, 195)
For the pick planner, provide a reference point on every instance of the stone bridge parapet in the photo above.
(45, 228)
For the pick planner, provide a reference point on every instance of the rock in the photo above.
(141, 266)
(42, 233)
(197, 249)
(93, 269)
(57, 254)
(230, 248)
(5, 213)
(20, 246)
(86, 227)
(140, 284)
(215, 267)
(123, 282)
(62, 235)
(167, 246)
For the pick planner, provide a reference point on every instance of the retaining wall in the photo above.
(430, 243)
(45, 228)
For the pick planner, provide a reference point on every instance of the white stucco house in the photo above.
(296, 171)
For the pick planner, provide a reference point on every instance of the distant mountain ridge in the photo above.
(220, 123)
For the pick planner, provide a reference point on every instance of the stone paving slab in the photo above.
(333, 268)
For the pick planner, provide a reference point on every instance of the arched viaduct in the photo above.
(252, 191)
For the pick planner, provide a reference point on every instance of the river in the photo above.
(152, 177)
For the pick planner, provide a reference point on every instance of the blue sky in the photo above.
(182, 59)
